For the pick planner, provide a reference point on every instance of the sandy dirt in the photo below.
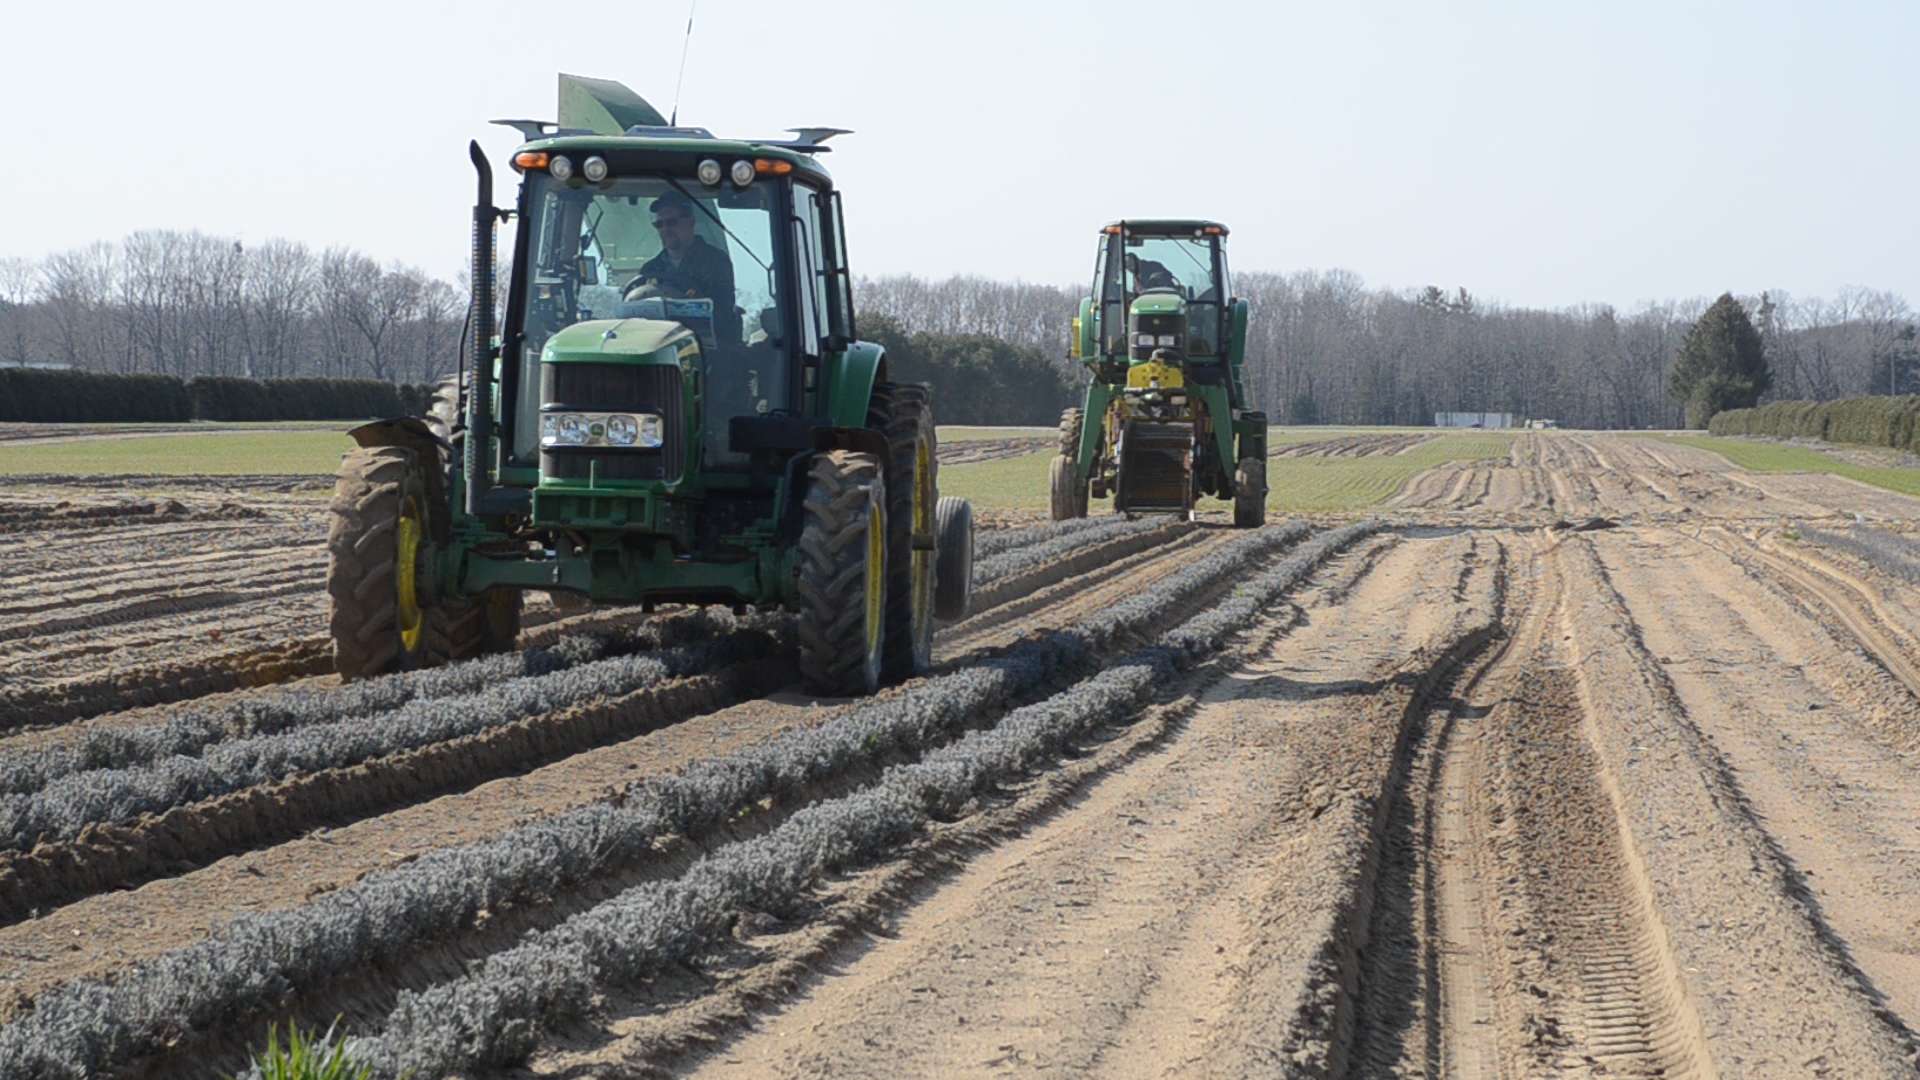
(1597, 762)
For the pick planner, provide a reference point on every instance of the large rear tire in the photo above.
(953, 526)
(1250, 493)
(904, 411)
(1069, 499)
(379, 548)
(843, 575)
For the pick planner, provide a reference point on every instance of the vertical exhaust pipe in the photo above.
(479, 413)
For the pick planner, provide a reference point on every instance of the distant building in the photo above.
(1475, 419)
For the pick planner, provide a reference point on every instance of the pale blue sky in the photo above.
(1538, 153)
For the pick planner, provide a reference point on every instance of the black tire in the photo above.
(488, 623)
(953, 530)
(470, 626)
(904, 411)
(377, 615)
(1070, 433)
(1069, 500)
(842, 636)
(1250, 493)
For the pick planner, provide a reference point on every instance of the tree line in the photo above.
(188, 304)
(1325, 348)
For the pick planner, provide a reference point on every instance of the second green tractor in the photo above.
(1166, 416)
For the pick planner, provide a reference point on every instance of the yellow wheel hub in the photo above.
(923, 528)
(876, 577)
(406, 557)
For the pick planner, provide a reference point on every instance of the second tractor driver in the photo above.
(688, 266)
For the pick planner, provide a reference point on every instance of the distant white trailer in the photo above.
(1475, 420)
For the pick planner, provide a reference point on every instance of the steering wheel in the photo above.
(667, 284)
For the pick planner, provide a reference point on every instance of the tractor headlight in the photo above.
(743, 172)
(710, 173)
(560, 168)
(1143, 339)
(601, 429)
(1169, 340)
(594, 169)
(622, 430)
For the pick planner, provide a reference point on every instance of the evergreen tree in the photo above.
(1721, 364)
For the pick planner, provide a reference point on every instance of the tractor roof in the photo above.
(599, 114)
(683, 141)
(1166, 226)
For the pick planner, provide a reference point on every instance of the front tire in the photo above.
(1069, 498)
(379, 549)
(843, 575)
(1250, 493)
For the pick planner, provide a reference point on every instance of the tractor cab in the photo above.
(1166, 416)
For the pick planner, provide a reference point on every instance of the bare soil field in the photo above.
(1595, 760)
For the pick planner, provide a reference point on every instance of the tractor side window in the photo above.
(812, 294)
(815, 270)
(842, 321)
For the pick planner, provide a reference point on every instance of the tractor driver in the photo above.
(1148, 274)
(688, 266)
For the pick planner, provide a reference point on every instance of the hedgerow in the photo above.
(257, 959)
(1872, 421)
(64, 807)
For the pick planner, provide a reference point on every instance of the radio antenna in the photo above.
(674, 121)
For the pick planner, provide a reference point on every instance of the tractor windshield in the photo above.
(597, 248)
(1184, 265)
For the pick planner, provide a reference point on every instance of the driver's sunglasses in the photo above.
(676, 221)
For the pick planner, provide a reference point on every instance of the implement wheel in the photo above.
(953, 526)
(379, 549)
(843, 575)
(1069, 499)
(1250, 493)
(488, 623)
(904, 411)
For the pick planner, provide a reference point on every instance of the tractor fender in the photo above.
(850, 375)
(412, 433)
(861, 439)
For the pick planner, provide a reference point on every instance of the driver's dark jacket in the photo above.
(704, 272)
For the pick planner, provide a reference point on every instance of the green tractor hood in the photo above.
(603, 340)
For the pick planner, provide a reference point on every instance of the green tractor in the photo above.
(1166, 416)
(675, 408)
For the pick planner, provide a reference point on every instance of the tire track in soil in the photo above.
(1507, 940)
(272, 846)
(1816, 744)
(1107, 930)
(1764, 965)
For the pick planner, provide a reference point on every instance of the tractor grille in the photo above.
(575, 464)
(649, 388)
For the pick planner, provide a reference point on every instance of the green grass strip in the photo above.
(1773, 457)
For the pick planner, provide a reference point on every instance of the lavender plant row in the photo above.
(990, 542)
(1890, 552)
(494, 1015)
(1027, 557)
(257, 958)
(61, 809)
(192, 730)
